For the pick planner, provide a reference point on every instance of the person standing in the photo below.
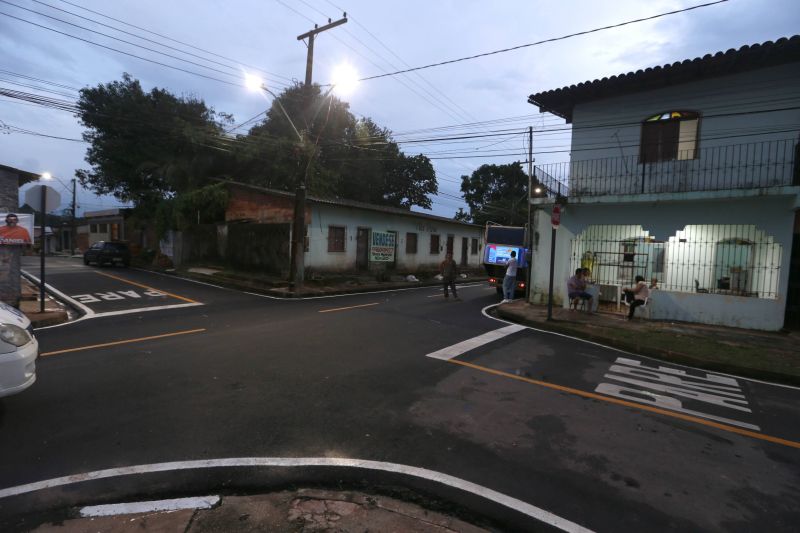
(449, 270)
(510, 279)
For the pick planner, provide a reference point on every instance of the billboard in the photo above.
(382, 246)
(499, 254)
(16, 229)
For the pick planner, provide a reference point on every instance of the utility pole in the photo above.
(530, 225)
(297, 268)
(73, 235)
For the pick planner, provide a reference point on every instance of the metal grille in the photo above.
(736, 260)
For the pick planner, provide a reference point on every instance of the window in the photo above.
(102, 228)
(669, 136)
(411, 243)
(435, 244)
(474, 250)
(92, 228)
(336, 238)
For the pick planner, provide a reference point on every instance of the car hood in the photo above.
(12, 315)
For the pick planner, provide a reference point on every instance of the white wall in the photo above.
(769, 216)
(323, 216)
(769, 88)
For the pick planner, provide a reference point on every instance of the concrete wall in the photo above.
(772, 217)
(324, 216)
(736, 96)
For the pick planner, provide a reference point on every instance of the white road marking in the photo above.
(145, 309)
(287, 462)
(177, 504)
(470, 344)
(487, 315)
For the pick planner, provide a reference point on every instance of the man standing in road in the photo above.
(510, 280)
(449, 270)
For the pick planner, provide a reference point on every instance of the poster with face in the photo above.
(16, 229)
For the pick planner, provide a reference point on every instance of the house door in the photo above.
(362, 249)
(464, 246)
(450, 240)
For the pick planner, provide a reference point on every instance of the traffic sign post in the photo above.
(555, 221)
(48, 199)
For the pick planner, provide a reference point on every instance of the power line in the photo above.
(552, 39)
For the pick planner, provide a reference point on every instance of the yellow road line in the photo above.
(127, 341)
(343, 308)
(147, 287)
(594, 396)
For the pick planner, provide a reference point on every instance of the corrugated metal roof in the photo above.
(562, 101)
(353, 204)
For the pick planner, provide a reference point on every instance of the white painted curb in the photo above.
(177, 504)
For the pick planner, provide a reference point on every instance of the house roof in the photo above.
(562, 101)
(23, 175)
(340, 202)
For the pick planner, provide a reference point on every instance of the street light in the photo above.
(46, 176)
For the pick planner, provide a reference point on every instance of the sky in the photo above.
(484, 98)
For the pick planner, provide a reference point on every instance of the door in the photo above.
(450, 239)
(362, 249)
(464, 250)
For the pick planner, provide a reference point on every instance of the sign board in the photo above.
(16, 230)
(382, 246)
(33, 197)
(555, 217)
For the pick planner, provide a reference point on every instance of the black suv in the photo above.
(108, 252)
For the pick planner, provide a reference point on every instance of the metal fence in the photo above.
(736, 260)
(737, 166)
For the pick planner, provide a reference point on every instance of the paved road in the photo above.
(164, 369)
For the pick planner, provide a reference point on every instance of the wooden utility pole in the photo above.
(297, 268)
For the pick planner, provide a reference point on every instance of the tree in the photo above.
(147, 146)
(496, 193)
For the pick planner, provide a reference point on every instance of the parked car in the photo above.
(108, 252)
(18, 351)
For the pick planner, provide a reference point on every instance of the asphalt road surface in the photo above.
(162, 369)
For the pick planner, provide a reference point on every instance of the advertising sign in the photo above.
(499, 254)
(382, 246)
(16, 229)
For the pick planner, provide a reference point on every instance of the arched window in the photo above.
(669, 136)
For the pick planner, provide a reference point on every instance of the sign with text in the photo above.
(16, 230)
(382, 246)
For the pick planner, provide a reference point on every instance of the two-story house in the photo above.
(687, 175)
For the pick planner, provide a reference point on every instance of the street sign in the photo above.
(33, 197)
(555, 217)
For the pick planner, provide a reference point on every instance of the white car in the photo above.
(18, 351)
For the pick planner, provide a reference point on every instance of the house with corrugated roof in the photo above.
(686, 175)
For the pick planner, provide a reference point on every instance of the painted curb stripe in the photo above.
(455, 350)
(177, 504)
(422, 473)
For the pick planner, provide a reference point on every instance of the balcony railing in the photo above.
(739, 166)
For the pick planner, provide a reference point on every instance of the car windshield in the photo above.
(116, 247)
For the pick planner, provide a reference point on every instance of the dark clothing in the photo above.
(450, 283)
(634, 304)
(448, 269)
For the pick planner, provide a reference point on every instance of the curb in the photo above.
(52, 320)
(667, 356)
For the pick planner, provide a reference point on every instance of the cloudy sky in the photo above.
(380, 37)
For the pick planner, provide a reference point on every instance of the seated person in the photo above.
(637, 295)
(653, 283)
(576, 290)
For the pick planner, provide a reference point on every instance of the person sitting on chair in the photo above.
(576, 289)
(637, 295)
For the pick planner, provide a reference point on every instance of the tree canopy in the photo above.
(496, 193)
(151, 147)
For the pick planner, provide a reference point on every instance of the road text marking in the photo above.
(625, 403)
(127, 341)
(455, 350)
(147, 287)
(344, 308)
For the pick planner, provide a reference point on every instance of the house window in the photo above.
(92, 228)
(336, 238)
(435, 244)
(474, 249)
(669, 136)
(102, 228)
(411, 243)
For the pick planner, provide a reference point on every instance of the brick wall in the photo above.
(9, 191)
(263, 208)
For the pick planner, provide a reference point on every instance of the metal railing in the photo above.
(739, 166)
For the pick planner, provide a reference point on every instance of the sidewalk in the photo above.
(760, 355)
(304, 510)
(54, 311)
(328, 285)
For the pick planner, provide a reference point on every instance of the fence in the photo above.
(739, 166)
(736, 260)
